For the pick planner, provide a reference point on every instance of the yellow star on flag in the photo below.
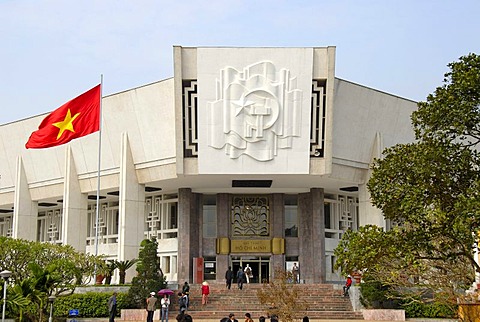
(66, 124)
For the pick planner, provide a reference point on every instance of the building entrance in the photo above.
(260, 267)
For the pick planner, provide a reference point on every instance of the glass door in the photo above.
(259, 266)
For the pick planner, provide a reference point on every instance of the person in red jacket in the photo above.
(347, 285)
(205, 292)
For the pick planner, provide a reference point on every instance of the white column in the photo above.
(25, 210)
(132, 208)
(369, 214)
(74, 206)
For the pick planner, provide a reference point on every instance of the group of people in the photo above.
(151, 307)
(151, 304)
(243, 276)
(248, 318)
(184, 300)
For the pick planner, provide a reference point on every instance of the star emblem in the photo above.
(66, 124)
(241, 104)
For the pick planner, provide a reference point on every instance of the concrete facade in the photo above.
(255, 156)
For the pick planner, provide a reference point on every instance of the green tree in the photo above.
(123, 266)
(149, 274)
(430, 189)
(40, 270)
(75, 268)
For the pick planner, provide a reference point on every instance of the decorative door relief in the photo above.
(250, 216)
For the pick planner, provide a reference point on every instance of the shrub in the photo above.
(429, 310)
(89, 305)
(373, 294)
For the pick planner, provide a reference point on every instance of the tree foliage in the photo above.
(281, 297)
(40, 270)
(123, 266)
(149, 277)
(72, 267)
(430, 190)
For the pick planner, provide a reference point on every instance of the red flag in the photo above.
(74, 119)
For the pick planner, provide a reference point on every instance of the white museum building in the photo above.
(255, 156)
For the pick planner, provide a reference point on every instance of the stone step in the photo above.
(323, 302)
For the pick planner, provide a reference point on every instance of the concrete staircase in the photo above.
(323, 302)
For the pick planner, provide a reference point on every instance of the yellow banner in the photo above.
(250, 246)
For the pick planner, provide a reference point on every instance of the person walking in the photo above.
(240, 278)
(186, 291)
(205, 292)
(112, 307)
(229, 277)
(165, 303)
(151, 301)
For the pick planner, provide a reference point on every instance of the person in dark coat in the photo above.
(229, 277)
(231, 316)
(186, 292)
(240, 278)
(112, 307)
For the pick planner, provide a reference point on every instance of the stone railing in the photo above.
(137, 315)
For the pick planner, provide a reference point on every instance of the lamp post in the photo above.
(51, 299)
(5, 275)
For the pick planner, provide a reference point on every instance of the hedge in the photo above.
(89, 305)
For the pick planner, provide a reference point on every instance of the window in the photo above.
(6, 225)
(166, 264)
(161, 216)
(209, 216)
(291, 216)
(210, 270)
(108, 218)
(49, 226)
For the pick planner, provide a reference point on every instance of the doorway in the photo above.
(260, 267)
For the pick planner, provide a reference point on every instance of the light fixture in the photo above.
(5, 275)
(51, 299)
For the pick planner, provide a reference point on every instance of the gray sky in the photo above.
(53, 50)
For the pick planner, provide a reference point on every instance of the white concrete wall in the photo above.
(359, 113)
(365, 121)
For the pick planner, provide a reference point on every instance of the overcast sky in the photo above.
(52, 51)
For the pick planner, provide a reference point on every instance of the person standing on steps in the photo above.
(295, 273)
(205, 293)
(151, 301)
(229, 277)
(182, 302)
(248, 273)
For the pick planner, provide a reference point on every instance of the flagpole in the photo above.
(97, 213)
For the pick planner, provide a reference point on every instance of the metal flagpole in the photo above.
(97, 213)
